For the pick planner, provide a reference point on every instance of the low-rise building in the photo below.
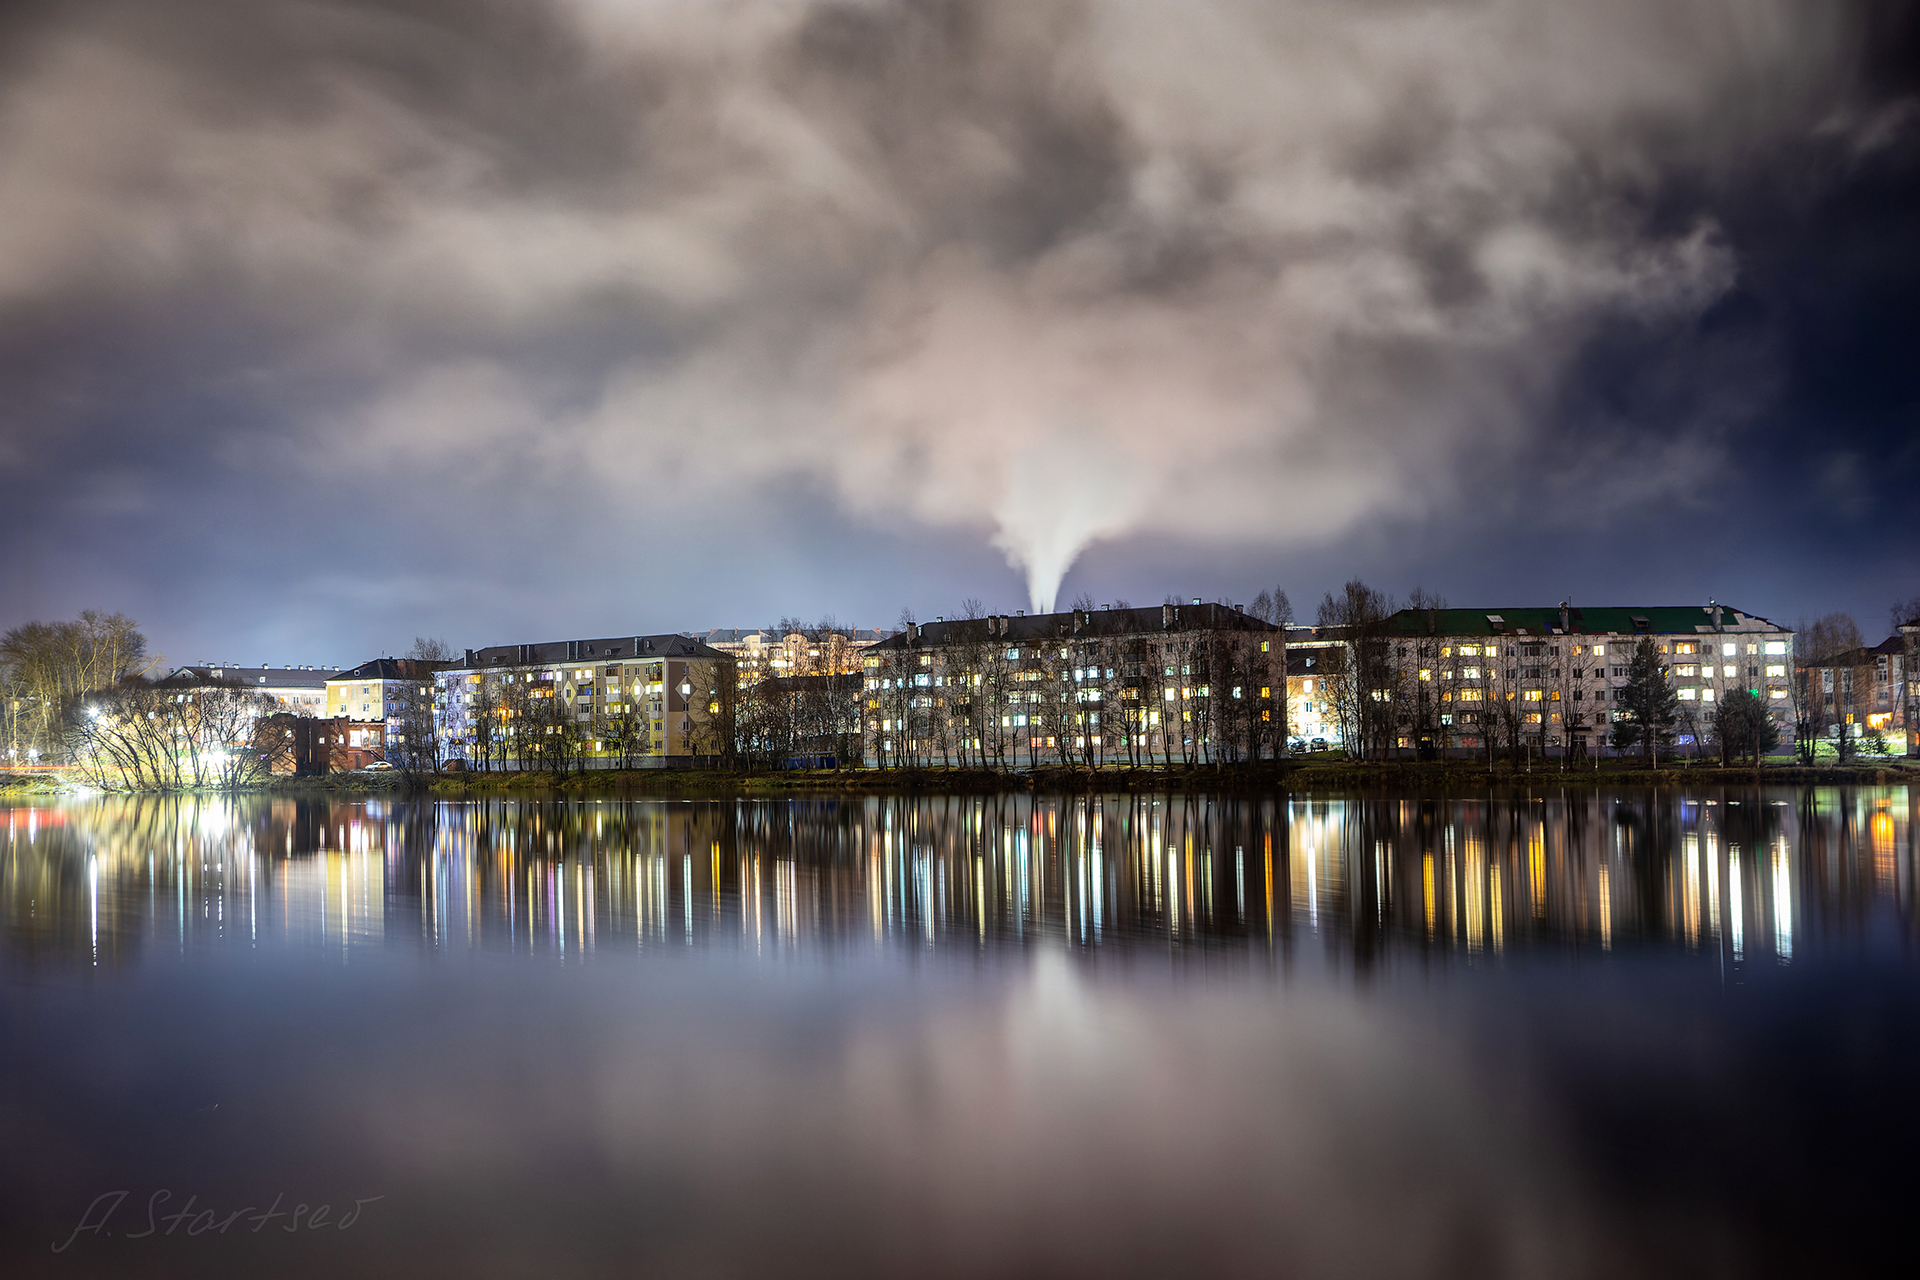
(629, 701)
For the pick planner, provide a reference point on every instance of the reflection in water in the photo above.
(1746, 874)
(721, 1106)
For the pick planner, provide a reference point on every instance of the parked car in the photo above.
(1319, 744)
(379, 765)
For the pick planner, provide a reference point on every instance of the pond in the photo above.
(1580, 1032)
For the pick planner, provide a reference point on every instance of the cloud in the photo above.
(1044, 273)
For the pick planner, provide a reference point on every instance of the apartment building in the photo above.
(1909, 633)
(300, 691)
(764, 653)
(1861, 693)
(628, 701)
(394, 694)
(1313, 719)
(1552, 676)
(1178, 683)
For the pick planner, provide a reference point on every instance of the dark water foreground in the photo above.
(1629, 1032)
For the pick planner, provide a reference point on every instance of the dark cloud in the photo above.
(326, 324)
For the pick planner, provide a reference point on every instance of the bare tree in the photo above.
(46, 667)
(431, 649)
(1365, 692)
(142, 736)
(1906, 625)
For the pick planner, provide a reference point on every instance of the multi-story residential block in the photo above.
(1551, 676)
(300, 691)
(1909, 633)
(1313, 720)
(1189, 683)
(765, 653)
(1861, 692)
(395, 694)
(630, 701)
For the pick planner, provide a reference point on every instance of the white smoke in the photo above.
(1054, 273)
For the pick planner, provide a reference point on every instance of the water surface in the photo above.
(1582, 1033)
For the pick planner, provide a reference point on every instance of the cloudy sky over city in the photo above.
(323, 325)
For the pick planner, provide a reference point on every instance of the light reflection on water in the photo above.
(1584, 1033)
(1364, 882)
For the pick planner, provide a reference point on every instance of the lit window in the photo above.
(1776, 647)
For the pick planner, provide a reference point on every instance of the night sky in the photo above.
(323, 326)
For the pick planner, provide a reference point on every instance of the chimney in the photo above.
(1563, 617)
(1716, 614)
(1166, 617)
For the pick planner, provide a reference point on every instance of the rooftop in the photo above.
(540, 653)
(314, 678)
(1083, 622)
(1533, 620)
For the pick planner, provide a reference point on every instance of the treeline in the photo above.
(80, 694)
(48, 668)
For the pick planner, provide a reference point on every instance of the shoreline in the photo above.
(1289, 777)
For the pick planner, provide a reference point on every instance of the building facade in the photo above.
(626, 702)
(1863, 696)
(299, 691)
(766, 654)
(1313, 723)
(1909, 633)
(1551, 678)
(1192, 684)
(396, 696)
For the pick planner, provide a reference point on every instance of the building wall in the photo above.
(1102, 691)
(1565, 686)
(669, 694)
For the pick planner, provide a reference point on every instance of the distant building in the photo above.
(394, 695)
(761, 654)
(1909, 632)
(1311, 715)
(1184, 683)
(1553, 676)
(1862, 690)
(300, 691)
(633, 701)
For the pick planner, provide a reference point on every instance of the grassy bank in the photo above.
(1286, 776)
(1297, 777)
(20, 786)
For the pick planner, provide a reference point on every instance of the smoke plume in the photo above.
(1037, 271)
